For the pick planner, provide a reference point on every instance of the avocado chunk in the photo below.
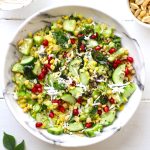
(69, 25)
(118, 74)
(92, 43)
(26, 60)
(68, 98)
(116, 55)
(55, 130)
(84, 77)
(129, 90)
(37, 68)
(25, 47)
(91, 132)
(108, 118)
(18, 68)
(76, 126)
(38, 39)
(76, 92)
(74, 66)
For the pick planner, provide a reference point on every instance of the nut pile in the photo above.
(141, 9)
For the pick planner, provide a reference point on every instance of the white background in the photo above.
(136, 134)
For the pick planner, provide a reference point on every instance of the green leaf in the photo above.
(20, 146)
(9, 141)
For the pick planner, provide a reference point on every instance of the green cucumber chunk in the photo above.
(68, 98)
(76, 92)
(76, 126)
(26, 60)
(107, 33)
(38, 39)
(129, 90)
(74, 66)
(108, 118)
(91, 132)
(18, 68)
(116, 55)
(92, 43)
(69, 25)
(37, 68)
(55, 130)
(25, 47)
(84, 77)
(118, 74)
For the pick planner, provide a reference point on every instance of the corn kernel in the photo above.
(89, 20)
(52, 67)
(85, 59)
(88, 120)
(52, 61)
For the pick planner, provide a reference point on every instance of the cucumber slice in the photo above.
(76, 92)
(76, 126)
(36, 107)
(37, 68)
(92, 131)
(26, 60)
(107, 33)
(108, 118)
(55, 130)
(18, 68)
(74, 66)
(129, 90)
(69, 25)
(92, 43)
(118, 74)
(25, 47)
(84, 77)
(68, 98)
(38, 39)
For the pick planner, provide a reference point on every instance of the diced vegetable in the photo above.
(69, 25)
(18, 68)
(27, 60)
(68, 98)
(76, 126)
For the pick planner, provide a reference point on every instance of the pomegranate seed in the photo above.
(106, 109)
(130, 59)
(79, 100)
(41, 76)
(56, 101)
(61, 108)
(40, 90)
(45, 42)
(49, 58)
(73, 83)
(51, 114)
(94, 36)
(97, 48)
(82, 47)
(44, 70)
(38, 124)
(72, 40)
(80, 35)
(112, 50)
(75, 112)
(48, 66)
(38, 85)
(127, 71)
(65, 54)
(99, 112)
(89, 124)
(112, 101)
(116, 63)
(34, 90)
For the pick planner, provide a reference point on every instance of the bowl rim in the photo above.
(32, 17)
(136, 20)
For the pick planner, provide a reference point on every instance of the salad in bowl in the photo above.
(73, 76)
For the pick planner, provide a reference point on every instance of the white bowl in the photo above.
(13, 4)
(135, 19)
(39, 20)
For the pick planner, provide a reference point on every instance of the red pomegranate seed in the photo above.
(82, 47)
(75, 112)
(34, 90)
(127, 71)
(97, 48)
(40, 90)
(112, 101)
(80, 35)
(72, 40)
(89, 124)
(49, 58)
(73, 83)
(116, 63)
(99, 112)
(94, 36)
(44, 70)
(79, 100)
(38, 85)
(112, 50)
(56, 101)
(38, 124)
(48, 66)
(45, 42)
(65, 54)
(51, 114)
(106, 109)
(130, 59)
(41, 76)
(61, 108)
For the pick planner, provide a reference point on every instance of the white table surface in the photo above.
(136, 134)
